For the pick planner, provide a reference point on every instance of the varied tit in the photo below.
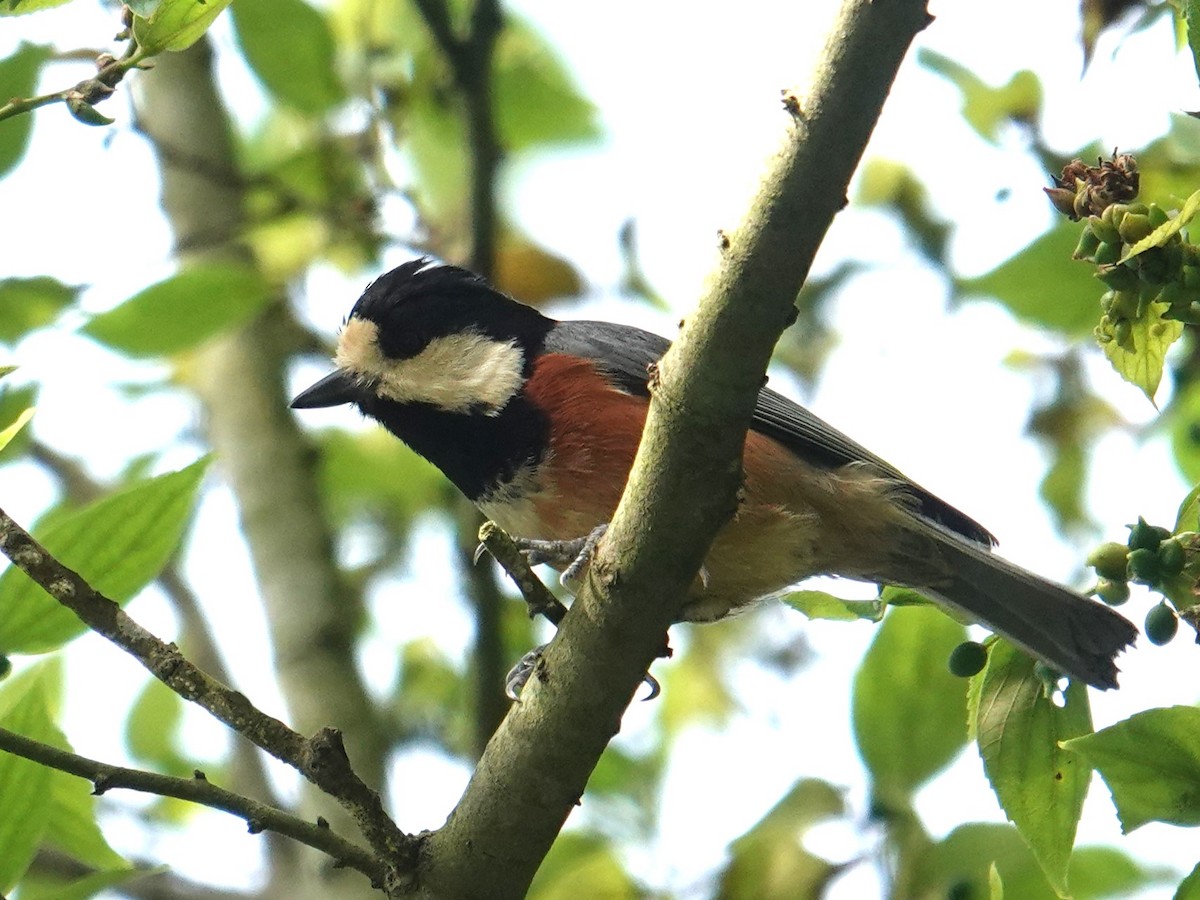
(537, 422)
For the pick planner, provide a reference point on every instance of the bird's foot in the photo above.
(571, 557)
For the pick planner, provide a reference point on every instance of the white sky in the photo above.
(689, 99)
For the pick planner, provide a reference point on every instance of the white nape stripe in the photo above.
(456, 372)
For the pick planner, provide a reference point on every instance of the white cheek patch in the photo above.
(456, 372)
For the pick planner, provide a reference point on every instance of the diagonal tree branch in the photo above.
(683, 484)
(321, 759)
(258, 816)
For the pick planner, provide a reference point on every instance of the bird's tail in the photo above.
(1072, 634)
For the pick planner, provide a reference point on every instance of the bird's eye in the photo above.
(401, 343)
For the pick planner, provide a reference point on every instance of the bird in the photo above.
(537, 422)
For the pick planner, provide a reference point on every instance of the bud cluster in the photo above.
(1153, 556)
(1166, 273)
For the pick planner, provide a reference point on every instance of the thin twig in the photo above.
(87, 92)
(537, 596)
(321, 759)
(257, 816)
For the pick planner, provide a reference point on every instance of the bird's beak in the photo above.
(332, 390)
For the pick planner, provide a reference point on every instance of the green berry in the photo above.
(967, 659)
(1113, 591)
(1171, 557)
(1144, 536)
(1158, 216)
(1143, 566)
(1161, 624)
(1110, 560)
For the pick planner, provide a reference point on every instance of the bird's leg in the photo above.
(570, 557)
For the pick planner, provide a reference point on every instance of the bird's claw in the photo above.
(569, 557)
(518, 676)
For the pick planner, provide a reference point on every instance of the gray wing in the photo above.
(624, 353)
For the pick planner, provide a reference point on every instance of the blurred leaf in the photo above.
(820, 605)
(24, 785)
(1098, 872)
(11, 431)
(1097, 16)
(895, 186)
(83, 888)
(24, 7)
(72, 826)
(1042, 285)
(1151, 763)
(176, 24)
(371, 472)
(18, 78)
(536, 103)
(1188, 517)
(152, 729)
(180, 312)
(30, 303)
(909, 712)
(958, 866)
(1189, 888)
(769, 862)
(1040, 786)
(117, 544)
(1152, 336)
(984, 107)
(1063, 486)
(582, 859)
(695, 690)
(289, 46)
(1191, 15)
(532, 273)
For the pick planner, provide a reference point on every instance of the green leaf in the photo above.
(909, 712)
(13, 404)
(153, 726)
(769, 863)
(582, 859)
(180, 312)
(18, 78)
(536, 102)
(289, 46)
(995, 883)
(1042, 285)
(1152, 336)
(820, 605)
(1189, 888)
(30, 303)
(117, 544)
(1108, 872)
(24, 7)
(1164, 232)
(24, 785)
(72, 826)
(1188, 517)
(984, 107)
(1064, 484)
(1151, 763)
(1183, 420)
(175, 24)
(1040, 786)
(11, 431)
(1191, 15)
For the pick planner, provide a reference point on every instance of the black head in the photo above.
(435, 335)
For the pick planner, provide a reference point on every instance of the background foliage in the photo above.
(356, 139)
